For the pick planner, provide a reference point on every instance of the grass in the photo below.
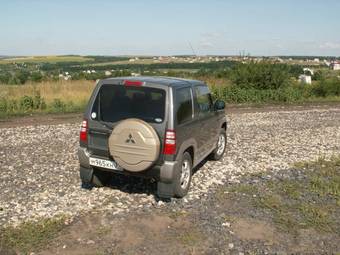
(72, 96)
(45, 59)
(190, 237)
(244, 189)
(45, 97)
(311, 201)
(292, 94)
(178, 214)
(103, 230)
(30, 236)
(65, 90)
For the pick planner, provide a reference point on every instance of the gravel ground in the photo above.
(233, 220)
(39, 164)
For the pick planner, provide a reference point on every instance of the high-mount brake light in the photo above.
(169, 142)
(83, 131)
(133, 83)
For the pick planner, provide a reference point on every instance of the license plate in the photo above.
(105, 163)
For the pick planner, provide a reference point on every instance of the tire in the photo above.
(100, 178)
(219, 151)
(134, 144)
(181, 186)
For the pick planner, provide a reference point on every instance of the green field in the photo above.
(45, 59)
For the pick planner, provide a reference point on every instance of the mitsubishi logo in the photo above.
(130, 139)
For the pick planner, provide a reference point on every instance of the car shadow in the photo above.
(133, 184)
(138, 185)
(199, 166)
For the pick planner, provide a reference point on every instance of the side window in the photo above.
(204, 101)
(184, 105)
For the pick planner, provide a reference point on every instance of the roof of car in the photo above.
(162, 80)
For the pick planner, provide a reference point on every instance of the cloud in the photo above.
(330, 45)
(206, 44)
(209, 39)
(210, 35)
(279, 46)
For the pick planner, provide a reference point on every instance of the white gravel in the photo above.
(39, 166)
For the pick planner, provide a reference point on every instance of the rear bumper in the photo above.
(167, 171)
(163, 173)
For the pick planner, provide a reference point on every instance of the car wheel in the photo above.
(221, 145)
(183, 176)
(100, 178)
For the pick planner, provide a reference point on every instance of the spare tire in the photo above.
(134, 145)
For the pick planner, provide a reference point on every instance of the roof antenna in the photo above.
(194, 53)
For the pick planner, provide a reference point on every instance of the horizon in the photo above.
(160, 28)
(175, 55)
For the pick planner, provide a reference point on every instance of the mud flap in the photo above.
(165, 190)
(86, 174)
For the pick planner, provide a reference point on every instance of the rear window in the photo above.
(122, 102)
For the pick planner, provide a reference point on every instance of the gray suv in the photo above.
(156, 127)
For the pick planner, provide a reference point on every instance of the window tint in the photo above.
(184, 105)
(204, 100)
(120, 102)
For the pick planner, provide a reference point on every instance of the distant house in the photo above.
(305, 79)
(107, 73)
(335, 65)
(65, 76)
(327, 63)
(306, 69)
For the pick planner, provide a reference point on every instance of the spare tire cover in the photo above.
(134, 145)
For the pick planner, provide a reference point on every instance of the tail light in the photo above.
(169, 142)
(133, 83)
(83, 131)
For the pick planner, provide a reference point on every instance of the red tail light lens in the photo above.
(169, 142)
(83, 131)
(133, 83)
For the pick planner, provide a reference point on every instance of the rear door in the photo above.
(185, 124)
(115, 103)
(206, 116)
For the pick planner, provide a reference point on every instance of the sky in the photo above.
(150, 27)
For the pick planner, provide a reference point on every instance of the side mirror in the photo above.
(219, 105)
